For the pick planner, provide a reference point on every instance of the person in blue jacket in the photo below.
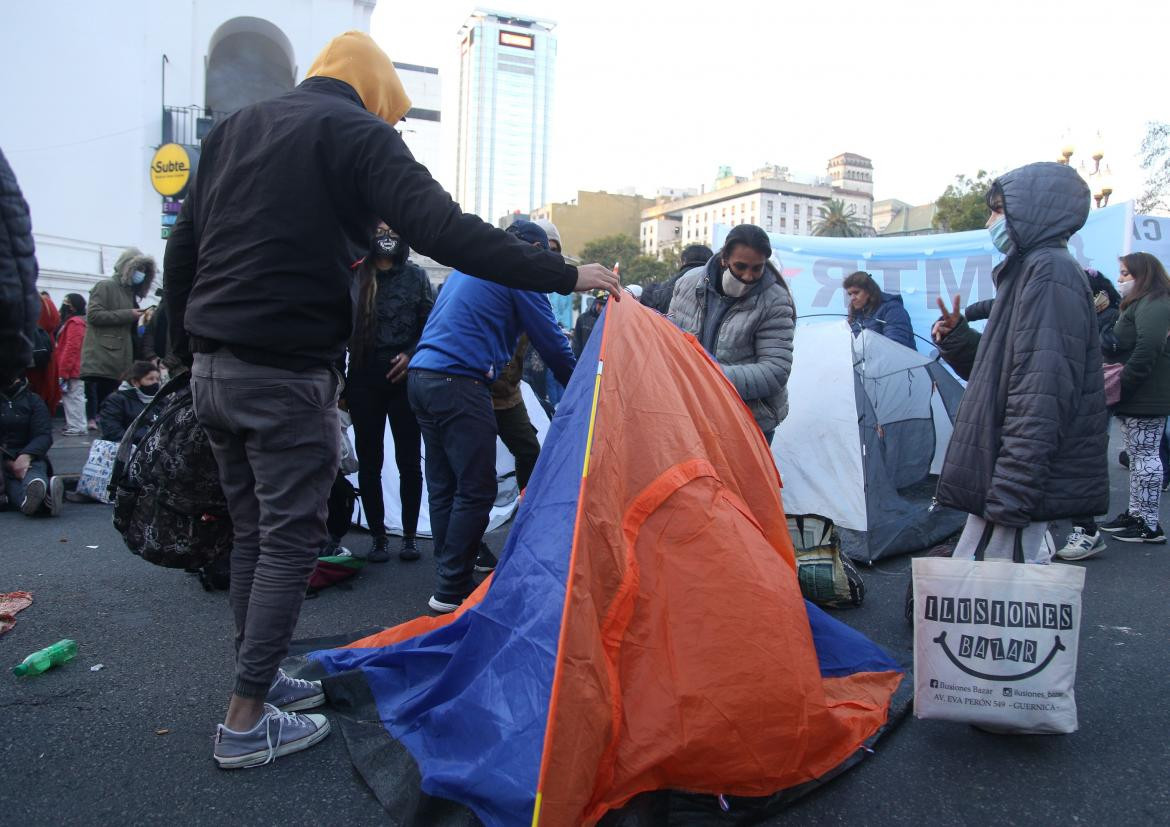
(468, 339)
(871, 309)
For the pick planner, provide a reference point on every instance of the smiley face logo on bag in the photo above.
(976, 652)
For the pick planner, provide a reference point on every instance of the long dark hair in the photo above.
(365, 323)
(1149, 278)
(864, 281)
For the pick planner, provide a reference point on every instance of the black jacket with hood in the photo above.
(286, 199)
(25, 427)
(1031, 433)
(20, 304)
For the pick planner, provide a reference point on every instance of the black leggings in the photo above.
(370, 407)
(96, 391)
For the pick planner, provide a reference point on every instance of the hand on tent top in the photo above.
(596, 277)
(950, 319)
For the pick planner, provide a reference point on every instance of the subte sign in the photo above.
(170, 169)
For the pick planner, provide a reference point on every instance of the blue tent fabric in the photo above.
(445, 687)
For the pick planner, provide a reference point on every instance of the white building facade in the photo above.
(421, 130)
(506, 74)
(122, 77)
(767, 199)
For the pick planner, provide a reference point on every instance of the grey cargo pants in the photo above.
(276, 439)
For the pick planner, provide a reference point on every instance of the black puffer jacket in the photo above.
(20, 306)
(1030, 435)
(25, 427)
(118, 413)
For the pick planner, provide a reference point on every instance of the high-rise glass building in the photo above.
(505, 96)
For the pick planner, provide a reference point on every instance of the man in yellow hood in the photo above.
(261, 296)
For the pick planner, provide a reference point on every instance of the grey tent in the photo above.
(868, 425)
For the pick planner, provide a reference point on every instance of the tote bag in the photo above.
(995, 642)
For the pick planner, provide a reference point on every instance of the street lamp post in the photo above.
(1098, 178)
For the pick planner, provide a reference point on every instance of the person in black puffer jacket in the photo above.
(1030, 435)
(394, 303)
(121, 407)
(20, 305)
(25, 438)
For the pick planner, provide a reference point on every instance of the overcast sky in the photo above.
(652, 94)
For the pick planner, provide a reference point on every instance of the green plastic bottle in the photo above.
(60, 652)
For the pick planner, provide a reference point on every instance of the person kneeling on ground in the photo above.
(467, 343)
(26, 435)
(123, 406)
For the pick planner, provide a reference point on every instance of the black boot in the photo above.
(379, 549)
(409, 551)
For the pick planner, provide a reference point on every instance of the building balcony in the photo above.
(187, 125)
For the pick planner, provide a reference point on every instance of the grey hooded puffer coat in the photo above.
(108, 350)
(754, 342)
(1030, 436)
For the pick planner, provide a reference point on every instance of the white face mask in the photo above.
(732, 286)
(1124, 287)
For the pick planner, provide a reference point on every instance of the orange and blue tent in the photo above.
(644, 629)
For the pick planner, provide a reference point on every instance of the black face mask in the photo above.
(387, 246)
(151, 389)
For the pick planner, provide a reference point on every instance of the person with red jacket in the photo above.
(43, 380)
(70, 335)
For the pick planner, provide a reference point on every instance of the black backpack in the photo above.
(168, 503)
(42, 348)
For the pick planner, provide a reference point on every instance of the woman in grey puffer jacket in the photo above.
(740, 309)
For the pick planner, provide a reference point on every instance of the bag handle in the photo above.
(126, 446)
(985, 540)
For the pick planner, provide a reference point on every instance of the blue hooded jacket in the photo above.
(889, 318)
(475, 324)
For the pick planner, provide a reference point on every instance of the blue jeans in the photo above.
(459, 432)
(15, 489)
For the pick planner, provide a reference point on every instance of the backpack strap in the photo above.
(126, 446)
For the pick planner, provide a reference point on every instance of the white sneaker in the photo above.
(56, 496)
(1081, 545)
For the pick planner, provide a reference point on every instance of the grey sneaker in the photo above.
(1081, 546)
(293, 694)
(56, 495)
(276, 733)
(34, 495)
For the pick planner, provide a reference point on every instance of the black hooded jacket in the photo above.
(1031, 433)
(287, 195)
(25, 427)
(20, 305)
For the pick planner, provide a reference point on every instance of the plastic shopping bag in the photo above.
(349, 460)
(995, 643)
(95, 476)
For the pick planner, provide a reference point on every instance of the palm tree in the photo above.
(838, 221)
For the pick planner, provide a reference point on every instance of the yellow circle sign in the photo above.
(170, 169)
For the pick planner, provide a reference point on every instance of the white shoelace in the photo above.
(297, 682)
(281, 718)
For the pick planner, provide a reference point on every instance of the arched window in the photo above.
(248, 60)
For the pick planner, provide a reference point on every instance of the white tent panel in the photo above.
(505, 498)
(942, 433)
(822, 473)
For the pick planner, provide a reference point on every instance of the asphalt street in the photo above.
(130, 743)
